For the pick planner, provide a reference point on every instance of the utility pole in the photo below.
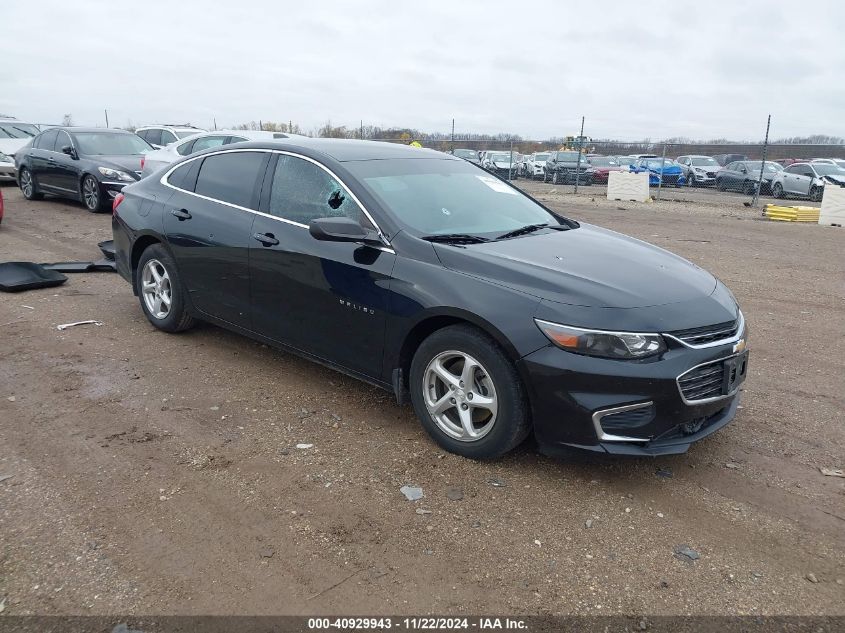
(215, 124)
(662, 166)
(510, 166)
(762, 164)
(453, 136)
(107, 117)
(580, 146)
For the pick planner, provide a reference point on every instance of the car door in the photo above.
(42, 158)
(66, 174)
(804, 179)
(328, 299)
(208, 224)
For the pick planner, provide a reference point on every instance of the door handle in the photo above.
(51, 160)
(267, 239)
(182, 214)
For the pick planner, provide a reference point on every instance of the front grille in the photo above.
(711, 174)
(703, 382)
(708, 333)
(670, 180)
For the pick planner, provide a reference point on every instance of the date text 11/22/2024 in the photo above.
(417, 624)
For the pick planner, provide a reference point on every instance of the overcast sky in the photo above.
(634, 68)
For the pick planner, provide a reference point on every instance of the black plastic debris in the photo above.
(108, 249)
(19, 276)
(101, 265)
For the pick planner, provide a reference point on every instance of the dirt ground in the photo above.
(142, 472)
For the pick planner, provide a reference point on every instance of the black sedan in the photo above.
(91, 165)
(427, 276)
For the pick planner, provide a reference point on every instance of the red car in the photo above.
(602, 166)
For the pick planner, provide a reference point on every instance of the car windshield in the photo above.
(465, 153)
(603, 161)
(185, 133)
(437, 197)
(656, 163)
(500, 158)
(828, 170)
(704, 161)
(17, 130)
(569, 156)
(541, 156)
(625, 160)
(754, 165)
(110, 144)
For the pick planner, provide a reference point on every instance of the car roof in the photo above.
(90, 129)
(343, 150)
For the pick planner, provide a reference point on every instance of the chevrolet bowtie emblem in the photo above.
(740, 345)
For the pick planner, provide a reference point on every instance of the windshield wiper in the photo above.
(530, 228)
(455, 238)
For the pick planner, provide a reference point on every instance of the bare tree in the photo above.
(67, 120)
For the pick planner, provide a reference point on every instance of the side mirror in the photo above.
(67, 149)
(341, 229)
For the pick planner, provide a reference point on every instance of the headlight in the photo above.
(115, 174)
(5, 158)
(619, 345)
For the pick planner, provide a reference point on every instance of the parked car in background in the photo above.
(724, 159)
(469, 155)
(625, 162)
(157, 159)
(14, 135)
(602, 166)
(562, 166)
(806, 180)
(660, 169)
(743, 176)
(409, 269)
(502, 164)
(160, 135)
(91, 165)
(535, 164)
(786, 162)
(839, 162)
(699, 171)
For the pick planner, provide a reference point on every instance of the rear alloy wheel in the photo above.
(777, 190)
(555, 178)
(720, 184)
(748, 188)
(816, 193)
(91, 197)
(467, 393)
(160, 291)
(27, 184)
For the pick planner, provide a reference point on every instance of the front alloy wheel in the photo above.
(28, 185)
(460, 396)
(554, 178)
(816, 193)
(777, 190)
(91, 194)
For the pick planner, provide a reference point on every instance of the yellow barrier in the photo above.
(792, 214)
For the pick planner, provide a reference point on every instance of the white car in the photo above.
(160, 135)
(534, 165)
(155, 160)
(806, 180)
(14, 134)
(839, 162)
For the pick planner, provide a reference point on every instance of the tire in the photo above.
(816, 193)
(545, 176)
(748, 188)
(91, 195)
(445, 353)
(777, 190)
(720, 184)
(176, 318)
(555, 178)
(28, 186)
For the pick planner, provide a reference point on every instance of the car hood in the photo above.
(839, 179)
(11, 145)
(502, 163)
(588, 266)
(668, 169)
(130, 163)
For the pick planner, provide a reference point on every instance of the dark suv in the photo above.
(562, 167)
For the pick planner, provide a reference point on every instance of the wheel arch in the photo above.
(141, 244)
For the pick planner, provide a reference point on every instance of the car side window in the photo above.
(302, 192)
(208, 141)
(153, 137)
(167, 137)
(47, 141)
(142, 134)
(236, 139)
(185, 148)
(230, 177)
(185, 176)
(808, 171)
(63, 140)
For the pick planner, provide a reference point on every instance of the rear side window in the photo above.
(153, 137)
(167, 137)
(185, 176)
(185, 148)
(230, 177)
(47, 140)
(208, 141)
(302, 192)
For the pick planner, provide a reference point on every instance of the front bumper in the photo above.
(110, 188)
(8, 172)
(701, 180)
(622, 407)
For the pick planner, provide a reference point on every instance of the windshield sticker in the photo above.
(496, 185)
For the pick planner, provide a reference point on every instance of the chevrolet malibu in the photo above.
(425, 275)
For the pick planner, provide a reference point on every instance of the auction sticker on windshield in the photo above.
(496, 185)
